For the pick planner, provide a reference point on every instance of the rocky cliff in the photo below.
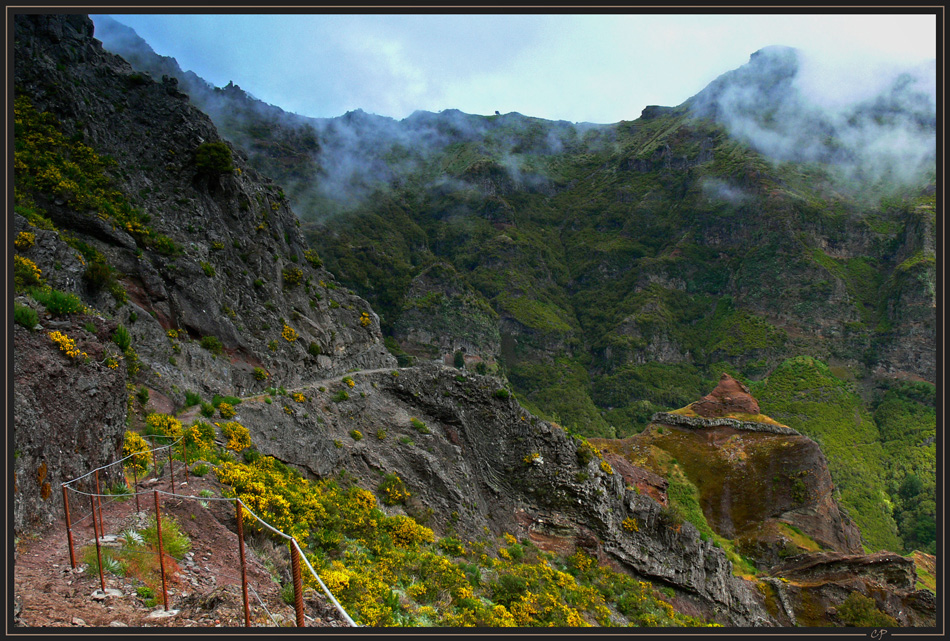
(203, 264)
(767, 490)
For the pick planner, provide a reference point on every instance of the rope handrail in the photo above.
(121, 460)
(265, 524)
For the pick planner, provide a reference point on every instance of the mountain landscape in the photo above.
(677, 370)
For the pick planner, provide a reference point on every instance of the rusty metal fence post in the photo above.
(184, 457)
(240, 533)
(171, 468)
(161, 550)
(135, 484)
(95, 532)
(102, 526)
(69, 530)
(298, 583)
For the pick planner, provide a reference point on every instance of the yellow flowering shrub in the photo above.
(365, 319)
(66, 344)
(391, 570)
(289, 334)
(25, 272)
(24, 240)
(136, 447)
(406, 532)
(630, 525)
(163, 425)
(227, 410)
(299, 398)
(239, 438)
(393, 490)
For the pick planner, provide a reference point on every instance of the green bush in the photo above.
(418, 425)
(858, 611)
(192, 398)
(292, 276)
(174, 541)
(121, 337)
(98, 275)
(217, 399)
(58, 303)
(25, 316)
(213, 158)
(502, 393)
(213, 344)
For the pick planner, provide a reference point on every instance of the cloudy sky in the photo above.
(580, 68)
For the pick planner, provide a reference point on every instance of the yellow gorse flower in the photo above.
(66, 344)
(289, 334)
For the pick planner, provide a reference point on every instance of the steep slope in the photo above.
(197, 257)
(763, 491)
(129, 241)
(193, 212)
(610, 272)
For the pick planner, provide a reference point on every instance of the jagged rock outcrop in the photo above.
(729, 397)
(768, 489)
(812, 586)
(442, 315)
(760, 483)
(698, 422)
(233, 268)
(242, 271)
(481, 461)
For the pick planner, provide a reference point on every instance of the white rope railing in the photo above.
(69, 485)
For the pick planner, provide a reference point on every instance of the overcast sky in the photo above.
(580, 68)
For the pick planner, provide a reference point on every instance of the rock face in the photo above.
(242, 272)
(768, 489)
(442, 315)
(235, 290)
(471, 457)
(68, 417)
(729, 397)
(811, 585)
(480, 461)
(759, 482)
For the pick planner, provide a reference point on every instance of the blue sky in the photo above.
(581, 68)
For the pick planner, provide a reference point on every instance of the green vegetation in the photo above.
(213, 158)
(858, 611)
(906, 417)
(58, 303)
(213, 344)
(49, 162)
(804, 394)
(392, 571)
(25, 316)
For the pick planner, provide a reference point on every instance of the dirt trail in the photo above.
(205, 591)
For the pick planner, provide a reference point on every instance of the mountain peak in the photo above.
(729, 397)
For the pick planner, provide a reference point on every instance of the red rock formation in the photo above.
(730, 396)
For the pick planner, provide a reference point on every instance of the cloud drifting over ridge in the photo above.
(581, 68)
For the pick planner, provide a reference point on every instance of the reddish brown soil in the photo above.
(204, 591)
